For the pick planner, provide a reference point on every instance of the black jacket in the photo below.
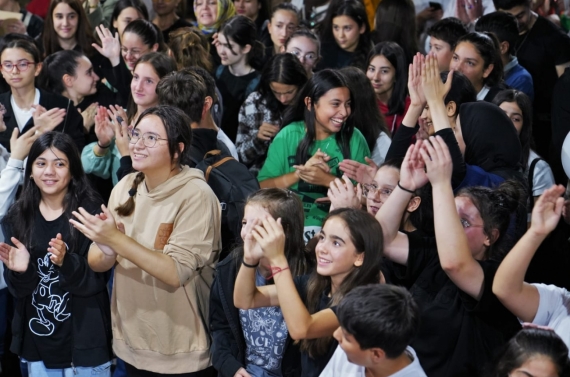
(228, 344)
(72, 123)
(90, 304)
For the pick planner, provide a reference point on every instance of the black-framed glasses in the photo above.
(149, 138)
(22, 65)
(370, 191)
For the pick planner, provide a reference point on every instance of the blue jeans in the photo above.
(38, 369)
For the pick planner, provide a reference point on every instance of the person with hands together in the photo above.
(343, 194)
(252, 351)
(540, 304)
(163, 252)
(451, 275)
(348, 255)
(62, 318)
(316, 121)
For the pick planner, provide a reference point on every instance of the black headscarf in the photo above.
(491, 140)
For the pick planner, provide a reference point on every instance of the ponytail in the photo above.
(126, 209)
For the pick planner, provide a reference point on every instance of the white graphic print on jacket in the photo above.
(49, 300)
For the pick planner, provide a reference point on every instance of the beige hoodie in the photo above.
(157, 327)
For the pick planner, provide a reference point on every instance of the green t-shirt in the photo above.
(281, 158)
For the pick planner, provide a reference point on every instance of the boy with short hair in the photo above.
(377, 322)
(505, 27)
(443, 38)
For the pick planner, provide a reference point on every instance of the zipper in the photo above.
(73, 367)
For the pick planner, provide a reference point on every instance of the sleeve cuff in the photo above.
(16, 164)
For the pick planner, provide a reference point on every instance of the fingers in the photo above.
(15, 134)
(371, 162)
(17, 243)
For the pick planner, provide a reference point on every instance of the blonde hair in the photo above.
(190, 48)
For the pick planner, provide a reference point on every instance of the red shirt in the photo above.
(393, 121)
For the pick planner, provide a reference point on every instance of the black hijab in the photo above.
(491, 140)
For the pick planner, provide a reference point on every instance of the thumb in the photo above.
(96, 47)
(370, 162)
(17, 243)
(59, 237)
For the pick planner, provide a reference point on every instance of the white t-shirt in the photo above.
(339, 366)
(23, 116)
(227, 141)
(554, 310)
(542, 178)
(381, 148)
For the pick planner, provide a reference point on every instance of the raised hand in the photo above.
(469, 10)
(99, 229)
(252, 251)
(89, 117)
(47, 120)
(20, 146)
(103, 128)
(434, 89)
(359, 172)
(437, 159)
(412, 172)
(16, 258)
(110, 45)
(343, 194)
(547, 210)
(271, 237)
(57, 248)
(417, 97)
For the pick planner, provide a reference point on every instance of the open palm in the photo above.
(15, 258)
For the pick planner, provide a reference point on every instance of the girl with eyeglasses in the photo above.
(62, 318)
(25, 105)
(260, 116)
(102, 158)
(161, 231)
(451, 275)
(305, 45)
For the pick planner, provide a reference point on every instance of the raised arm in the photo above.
(300, 323)
(521, 298)
(412, 177)
(452, 246)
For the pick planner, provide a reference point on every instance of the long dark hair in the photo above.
(487, 45)
(284, 204)
(162, 65)
(395, 55)
(83, 35)
(176, 123)
(396, 22)
(525, 104)
(356, 11)
(314, 89)
(124, 4)
(496, 207)
(366, 114)
(22, 214)
(366, 235)
(242, 31)
(57, 65)
(529, 343)
(284, 69)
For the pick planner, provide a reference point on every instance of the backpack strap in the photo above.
(531, 181)
(222, 161)
(219, 71)
(213, 152)
(252, 86)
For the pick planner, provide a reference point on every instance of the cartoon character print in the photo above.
(49, 300)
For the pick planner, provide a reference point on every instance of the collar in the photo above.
(483, 93)
(510, 65)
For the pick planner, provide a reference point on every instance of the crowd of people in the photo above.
(341, 188)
